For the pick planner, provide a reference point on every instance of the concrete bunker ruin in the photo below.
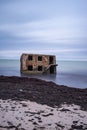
(38, 64)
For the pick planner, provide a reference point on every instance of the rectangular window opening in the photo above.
(39, 68)
(39, 58)
(30, 67)
(30, 57)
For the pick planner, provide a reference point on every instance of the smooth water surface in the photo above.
(70, 73)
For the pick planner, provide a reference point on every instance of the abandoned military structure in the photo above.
(38, 63)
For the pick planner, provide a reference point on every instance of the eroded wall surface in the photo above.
(25, 62)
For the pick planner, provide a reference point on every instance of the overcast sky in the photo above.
(44, 26)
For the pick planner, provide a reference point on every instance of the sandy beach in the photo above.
(33, 104)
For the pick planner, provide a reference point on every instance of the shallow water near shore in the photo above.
(70, 73)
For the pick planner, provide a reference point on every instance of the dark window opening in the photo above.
(39, 68)
(51, 60)
(30, 67)
(30, 57)
(39, 58)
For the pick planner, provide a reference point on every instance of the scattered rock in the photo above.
(49, 114)
(35, 123)
(77, 127)
(64, 110)
(75, 122)
(59, 125)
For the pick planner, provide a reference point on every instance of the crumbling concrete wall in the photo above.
(24, 58)
(35, 63)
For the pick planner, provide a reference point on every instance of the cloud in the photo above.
(58, 27)
(49, 30)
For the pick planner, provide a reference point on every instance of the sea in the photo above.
(69, 73)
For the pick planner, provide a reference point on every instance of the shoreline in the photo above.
(40, 91)
(34, 104)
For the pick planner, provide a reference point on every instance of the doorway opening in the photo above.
(52, 70)
(51, 60)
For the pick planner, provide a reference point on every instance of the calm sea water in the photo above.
(70, 73)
